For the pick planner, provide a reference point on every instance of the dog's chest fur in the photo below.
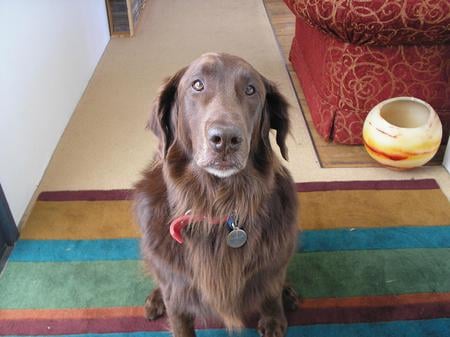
(231, 280)
(224, 281)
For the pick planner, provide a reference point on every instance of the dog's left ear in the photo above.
(276, 109)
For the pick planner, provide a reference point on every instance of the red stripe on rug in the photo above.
(424, 184)
(79, 326)
(305, 304)
(386, 313)
(71, 313)
(127, 194)
(87, 195)
(376, 301)
(304, 316)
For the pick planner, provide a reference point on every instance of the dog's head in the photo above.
(220, 110)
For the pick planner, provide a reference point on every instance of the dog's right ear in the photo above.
(163, 115)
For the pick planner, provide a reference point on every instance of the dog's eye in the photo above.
(250, 90)
(198, 85)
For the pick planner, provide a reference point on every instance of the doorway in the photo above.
(8, 229)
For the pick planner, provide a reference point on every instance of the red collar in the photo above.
(177, 225)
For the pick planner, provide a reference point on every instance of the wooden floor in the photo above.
(329, 153)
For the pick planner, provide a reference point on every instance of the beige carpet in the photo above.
(105, 145)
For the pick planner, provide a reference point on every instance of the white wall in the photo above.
(48, 52)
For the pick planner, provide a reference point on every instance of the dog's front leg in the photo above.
(272, 322)
(182, 324)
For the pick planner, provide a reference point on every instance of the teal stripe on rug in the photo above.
(375, 238)
(309, 241)
(420, 328)
(75, 250)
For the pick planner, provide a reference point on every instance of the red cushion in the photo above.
(342, 82)
(378, 22)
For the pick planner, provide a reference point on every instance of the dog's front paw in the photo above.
(272, 327)
(154, 305)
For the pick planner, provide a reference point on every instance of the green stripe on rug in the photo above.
(73, 285)
(315, 275)
(363, 273)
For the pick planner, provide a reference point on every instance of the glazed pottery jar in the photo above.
(402, 132)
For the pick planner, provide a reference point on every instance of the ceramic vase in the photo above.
(402, 132)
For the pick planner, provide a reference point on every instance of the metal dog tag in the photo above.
(236, 238)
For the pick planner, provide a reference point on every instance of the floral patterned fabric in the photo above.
(378, 22)
(343, 81)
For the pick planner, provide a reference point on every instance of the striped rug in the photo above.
(373, 260)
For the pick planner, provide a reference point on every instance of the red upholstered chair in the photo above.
(350, 55)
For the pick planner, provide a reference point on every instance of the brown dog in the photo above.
(215, 160)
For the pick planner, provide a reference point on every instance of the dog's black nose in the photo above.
(224, 138)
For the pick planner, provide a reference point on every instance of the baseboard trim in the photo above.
(446, 162)
(4, 258)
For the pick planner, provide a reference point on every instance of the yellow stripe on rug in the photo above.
(80, 220)
(90, 220)
(373, 208)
